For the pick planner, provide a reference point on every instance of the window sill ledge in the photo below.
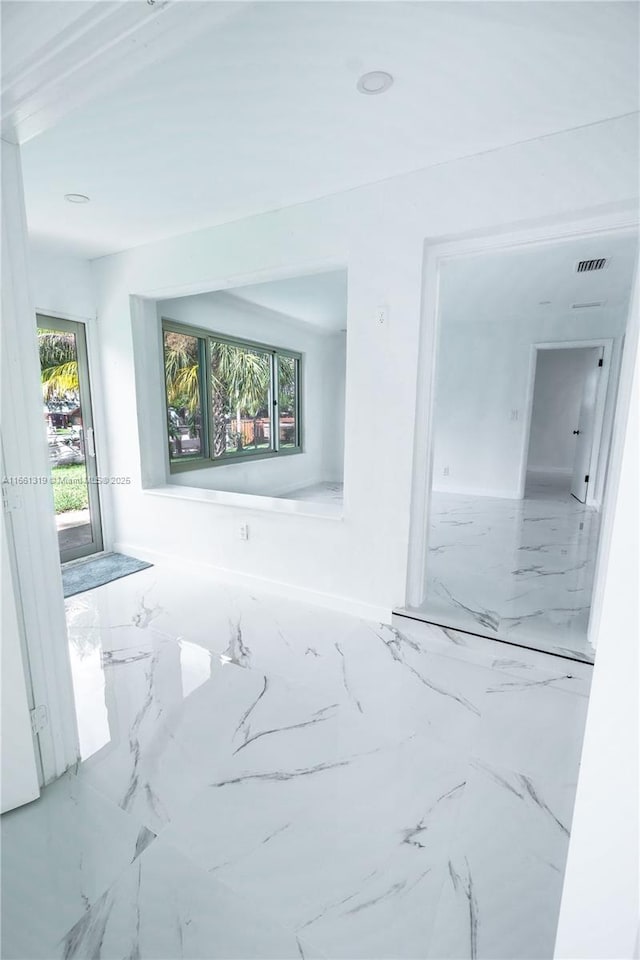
(249, 501)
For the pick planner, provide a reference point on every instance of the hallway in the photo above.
(262, 778)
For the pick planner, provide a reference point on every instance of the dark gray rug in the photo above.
(95, 573)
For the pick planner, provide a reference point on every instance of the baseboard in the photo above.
(551, 471)
(355, 608)
(466, 492)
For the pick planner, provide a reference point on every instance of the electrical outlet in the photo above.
(445, 472)
(382, 316)
(515, 414)
(244, 531)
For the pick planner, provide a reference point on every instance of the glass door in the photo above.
(68, 421)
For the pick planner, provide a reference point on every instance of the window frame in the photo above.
(206, 458)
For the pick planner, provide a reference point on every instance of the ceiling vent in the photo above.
(588, 266)
(586, 305)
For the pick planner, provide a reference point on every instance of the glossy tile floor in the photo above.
(518, 570)
(325, 492)
(268, 779)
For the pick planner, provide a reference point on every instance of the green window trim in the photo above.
(205, 427)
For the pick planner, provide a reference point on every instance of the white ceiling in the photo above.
(319, 299)
(27, 32)
(508, 283)
(260, 110)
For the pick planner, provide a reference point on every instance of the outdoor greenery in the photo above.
(58, 364)
(69, 488)
(240, 382)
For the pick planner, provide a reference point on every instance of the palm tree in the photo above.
(58, 365)
(181, 366)
(240, 383)
(240, 379)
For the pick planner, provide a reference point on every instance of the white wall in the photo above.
(334, 390)
(19, 781)
(378, 232)
(37, 589)
(483, 377)
(557, 398)
(62, 285)
(322, 411)
(599, 916)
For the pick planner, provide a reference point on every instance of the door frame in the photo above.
(438, 251)
(78, 328)
(92, 335)
(38, 581)
(596, 462)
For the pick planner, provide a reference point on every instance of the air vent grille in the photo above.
(587, 266)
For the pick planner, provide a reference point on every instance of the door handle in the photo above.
(576, 432)
(91, 446)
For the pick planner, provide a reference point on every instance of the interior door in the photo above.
(68, 421)
(586, 425)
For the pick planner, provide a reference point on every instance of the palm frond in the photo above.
(181, 367)
(243, 374)
(60, 380)
(286, 382)
(56, 348)
(183, 388)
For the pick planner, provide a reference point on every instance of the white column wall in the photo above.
(38, 599)
(600, 910)
(19, 782)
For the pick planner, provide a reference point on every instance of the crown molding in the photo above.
(92, 53)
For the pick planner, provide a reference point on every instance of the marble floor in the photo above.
(325, 492)
(265, 779)
(518, 570)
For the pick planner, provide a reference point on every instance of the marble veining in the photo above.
(325, 492)
(517, 570)
(261, 778)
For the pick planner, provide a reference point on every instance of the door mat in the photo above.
(98, 571)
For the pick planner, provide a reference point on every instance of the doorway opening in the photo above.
(567, 406)
(520, 358)
(68, 422)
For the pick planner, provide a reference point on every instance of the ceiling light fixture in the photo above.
(76, 198)
(377, 81)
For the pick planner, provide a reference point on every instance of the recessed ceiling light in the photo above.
(76, 198)
(378, 81)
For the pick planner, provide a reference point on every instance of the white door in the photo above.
(19, 771)
(586, 425)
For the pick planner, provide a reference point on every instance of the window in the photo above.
(182, 366)
(228, 399)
